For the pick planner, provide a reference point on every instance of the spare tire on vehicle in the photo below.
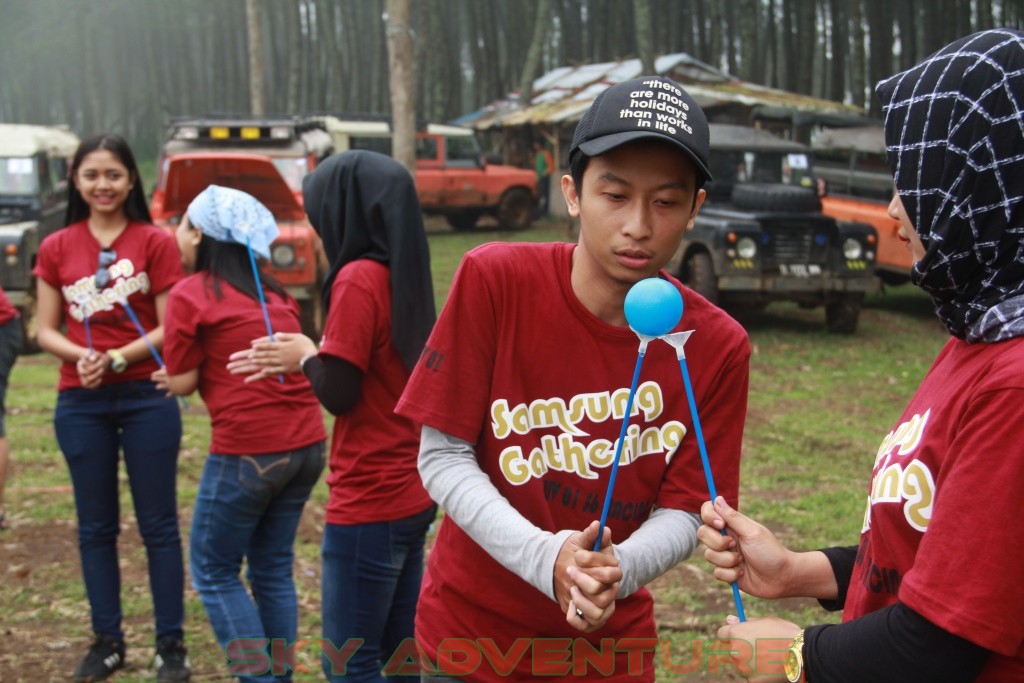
(775, 197)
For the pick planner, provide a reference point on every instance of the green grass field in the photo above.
(819, 406)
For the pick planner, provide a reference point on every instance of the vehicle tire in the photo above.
(464, 220)
(841, 315)
(775, 197)
(699, 275)
(515, 212)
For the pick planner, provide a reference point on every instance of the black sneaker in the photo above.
(172, 661)
(104, 657)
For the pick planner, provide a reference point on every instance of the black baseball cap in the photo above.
(648, 107)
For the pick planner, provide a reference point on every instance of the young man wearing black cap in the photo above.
(521, 391)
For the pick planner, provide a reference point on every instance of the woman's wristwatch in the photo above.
(118, 363)
(794, 665)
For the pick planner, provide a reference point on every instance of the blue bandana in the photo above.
(229, 215)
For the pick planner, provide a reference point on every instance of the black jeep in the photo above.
(761, 236)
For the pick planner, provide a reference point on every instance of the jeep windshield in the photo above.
(18, 176)
(787, 168)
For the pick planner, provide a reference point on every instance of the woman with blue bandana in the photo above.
(933, 592)
(267, 443)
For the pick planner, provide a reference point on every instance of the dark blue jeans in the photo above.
(93, 426)
(371, 582)
(248, 506)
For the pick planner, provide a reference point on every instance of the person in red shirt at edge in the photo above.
(267, 442)
(934, 590)
(10, 347)
(521, 390)
(109, 254)
(379, 302)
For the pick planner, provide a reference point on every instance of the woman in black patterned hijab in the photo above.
(955, 139)
(933, 591)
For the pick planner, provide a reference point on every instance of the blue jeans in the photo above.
(92, 426)
(10, 346)
(371, 582)
(248, 506)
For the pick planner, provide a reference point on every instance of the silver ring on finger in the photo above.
(579, 613)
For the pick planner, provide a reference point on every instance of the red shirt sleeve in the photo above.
(182, 351)
(357, 321)
(456, 361)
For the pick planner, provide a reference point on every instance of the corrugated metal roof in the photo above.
(564, 94)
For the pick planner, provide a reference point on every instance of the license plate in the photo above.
(799, 269)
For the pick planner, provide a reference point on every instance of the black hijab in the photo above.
(954, 133)
(364, 206)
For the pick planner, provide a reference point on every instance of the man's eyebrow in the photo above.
(609, 177)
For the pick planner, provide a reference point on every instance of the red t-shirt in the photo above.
(943, 524)
(373, 474)
(200, 331)
(147, 264)
(519, 367)
(8, 311)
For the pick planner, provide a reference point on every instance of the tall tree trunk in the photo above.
(541, 19)
(805, 33)
(858, 66)
(403, 109)
(753, 62)
(772, 51)
(642, 19)
(294, 48)
(254, 28)
(839, 45)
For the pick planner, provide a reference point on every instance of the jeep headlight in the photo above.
(853, 250)
(283, 256)
(746, 248)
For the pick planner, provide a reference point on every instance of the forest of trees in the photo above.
(130, 65)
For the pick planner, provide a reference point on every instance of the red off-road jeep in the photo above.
(453, 178)
(268, 159)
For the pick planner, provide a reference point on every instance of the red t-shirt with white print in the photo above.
(943, 525)
(147, 263)
(519, 367)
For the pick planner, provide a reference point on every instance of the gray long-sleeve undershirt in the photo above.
(453, 478)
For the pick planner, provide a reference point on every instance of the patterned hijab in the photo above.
(364, 206)
(954, 132)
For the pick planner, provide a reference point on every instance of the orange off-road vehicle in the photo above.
(266, 157)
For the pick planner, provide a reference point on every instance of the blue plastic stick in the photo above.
(259, 290)
(152, 349)
(88, 334)
(705, 461)
(622, 440)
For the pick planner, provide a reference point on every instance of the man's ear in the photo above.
(698, 201)
(572, 197)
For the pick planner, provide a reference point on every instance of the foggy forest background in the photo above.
(130, 65)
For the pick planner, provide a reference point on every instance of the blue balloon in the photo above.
(653, 307)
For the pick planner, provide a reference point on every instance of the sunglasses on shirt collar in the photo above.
(107, 258)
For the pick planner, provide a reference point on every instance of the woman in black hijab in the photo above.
(933, 592)
(379, 305)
